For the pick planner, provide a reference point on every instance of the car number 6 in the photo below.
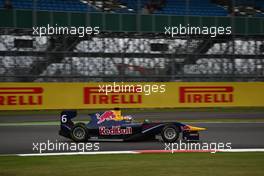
(64, 118)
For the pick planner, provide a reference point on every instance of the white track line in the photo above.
(140, 152)
(243, 150)
(78, 153)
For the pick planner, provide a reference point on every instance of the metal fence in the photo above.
(139, 55)
(132, 59)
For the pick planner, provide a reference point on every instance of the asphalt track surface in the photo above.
(20, 139)
(145, 115)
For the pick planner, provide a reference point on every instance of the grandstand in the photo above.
(131, 45)
(174, 7)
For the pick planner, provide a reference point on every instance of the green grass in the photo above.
(56, 112)
(187, 164)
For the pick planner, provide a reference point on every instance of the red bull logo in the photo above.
(206, 94)
(106, 116)
(92, 95)
(115, 130)
(21, 96)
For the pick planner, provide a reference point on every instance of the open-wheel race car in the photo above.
(104, 126)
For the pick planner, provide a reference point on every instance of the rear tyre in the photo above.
(79, 132)
(170, 133)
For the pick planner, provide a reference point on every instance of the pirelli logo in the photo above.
(21, 96)
(92, 95)
(206, 94)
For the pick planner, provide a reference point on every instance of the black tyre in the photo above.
(170, 133)
(79, 132)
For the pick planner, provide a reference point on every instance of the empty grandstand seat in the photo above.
(51, 5)
(172, 7)
(193, 7)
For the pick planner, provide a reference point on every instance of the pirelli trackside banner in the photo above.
(24, 96)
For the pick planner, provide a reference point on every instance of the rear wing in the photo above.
(66, 116)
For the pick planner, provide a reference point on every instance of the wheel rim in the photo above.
(170, 133)
(79, 133)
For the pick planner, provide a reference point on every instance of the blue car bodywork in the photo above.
(123, 130)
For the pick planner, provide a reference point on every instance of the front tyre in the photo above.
(170, 133)
(79, 132)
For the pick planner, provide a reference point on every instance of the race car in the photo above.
(104, 127)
